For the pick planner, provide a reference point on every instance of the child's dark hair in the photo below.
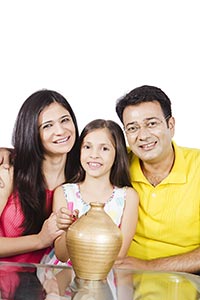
(119, 175)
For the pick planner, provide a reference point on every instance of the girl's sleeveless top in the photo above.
(114, 207)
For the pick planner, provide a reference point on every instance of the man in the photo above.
(167, 178)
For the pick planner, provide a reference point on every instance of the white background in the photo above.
(93, 52)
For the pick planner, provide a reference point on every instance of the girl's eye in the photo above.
(105, 149)
(86, 147)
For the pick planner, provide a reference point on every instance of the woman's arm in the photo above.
(25, 244)
(129, 220)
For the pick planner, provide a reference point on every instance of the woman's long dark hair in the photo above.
(29, 181)
(119, 175)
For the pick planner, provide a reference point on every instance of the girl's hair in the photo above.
(29, 180)
(119, 175)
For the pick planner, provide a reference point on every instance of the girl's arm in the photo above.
(129, 220)
(64, 220)
(29, 243)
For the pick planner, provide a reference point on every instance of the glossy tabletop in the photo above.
(35, 281)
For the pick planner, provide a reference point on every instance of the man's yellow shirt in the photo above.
(169, 214)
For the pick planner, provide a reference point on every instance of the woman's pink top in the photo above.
(10, 226)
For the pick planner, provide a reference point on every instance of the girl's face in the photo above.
(97, 153)
(57, 130)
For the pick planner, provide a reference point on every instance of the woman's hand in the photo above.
(49, 231)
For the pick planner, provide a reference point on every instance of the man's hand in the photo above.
(6, 190)
(132, 263)
(185, 262)
(5, 157)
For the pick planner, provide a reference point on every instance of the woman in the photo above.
(44, 140)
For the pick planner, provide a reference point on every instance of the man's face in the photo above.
(147, 132)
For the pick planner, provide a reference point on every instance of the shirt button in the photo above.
(153, 195)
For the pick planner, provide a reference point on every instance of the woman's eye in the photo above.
(46, 126)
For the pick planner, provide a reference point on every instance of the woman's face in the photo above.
(57, 130)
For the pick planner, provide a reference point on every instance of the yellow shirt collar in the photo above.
(177, 174)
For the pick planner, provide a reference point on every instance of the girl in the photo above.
(103, 176)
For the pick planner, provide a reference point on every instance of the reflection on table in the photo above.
(38, 282)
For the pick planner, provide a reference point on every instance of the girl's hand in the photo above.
(50, 284)
(66, 217)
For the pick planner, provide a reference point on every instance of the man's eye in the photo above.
(152, 124)
(132, 129)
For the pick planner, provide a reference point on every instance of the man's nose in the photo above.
(143, 132)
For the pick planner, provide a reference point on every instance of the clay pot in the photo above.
(93, 242)
(91, 289)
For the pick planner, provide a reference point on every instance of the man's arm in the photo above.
(7, 177)
(5, 160)
(187, 262)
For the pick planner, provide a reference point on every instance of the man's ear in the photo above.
(171, 125)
